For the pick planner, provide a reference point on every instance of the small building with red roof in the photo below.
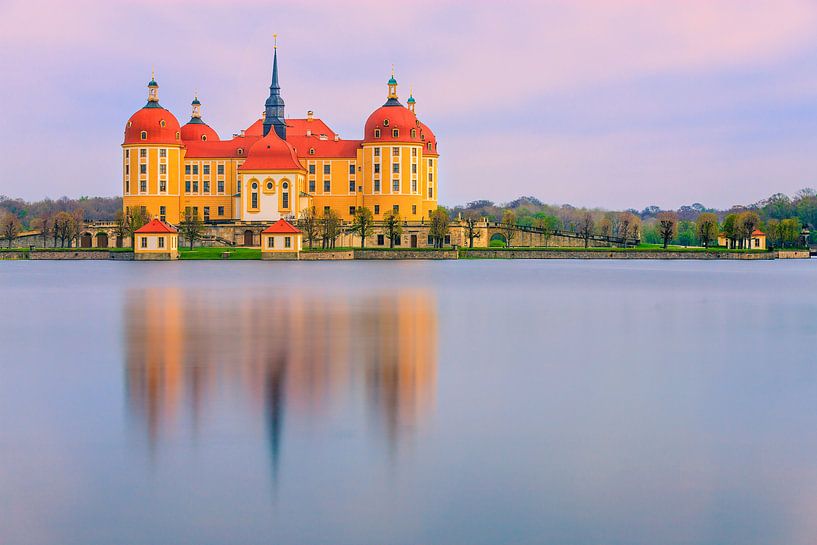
(281, 240)
(156, 241)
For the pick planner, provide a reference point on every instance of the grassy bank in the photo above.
(216, 253)
(639, 248)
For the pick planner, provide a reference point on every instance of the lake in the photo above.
(459, 402)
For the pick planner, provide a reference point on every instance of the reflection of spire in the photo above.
(274, 395)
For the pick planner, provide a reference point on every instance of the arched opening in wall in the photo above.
(85, 240)
(120, 242)
(498, 240)
(248, 238)
(101, 240)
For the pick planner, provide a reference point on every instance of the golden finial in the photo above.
(392, 70)
(152, 74)
(275, 41)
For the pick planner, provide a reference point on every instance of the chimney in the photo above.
(337, 137)
(309, 115)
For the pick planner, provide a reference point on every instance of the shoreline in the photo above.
(386, 254)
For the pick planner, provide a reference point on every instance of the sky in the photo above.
(597, 103)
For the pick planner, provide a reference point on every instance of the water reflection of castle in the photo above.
(296, 355)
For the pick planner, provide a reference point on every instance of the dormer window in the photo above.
(377, 133)
(311, 151)
(240, 151)
(414, 133)
(395, 133)
(162, 123)
(385, 122)
(429, 146)
(178, 135)
(203, 137)
(143, 135)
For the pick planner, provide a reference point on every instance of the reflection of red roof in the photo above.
(280, 226)
(758, 232)
(156, 227)
(323, 148)
(271, 153)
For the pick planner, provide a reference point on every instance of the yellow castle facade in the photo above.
(278, 167)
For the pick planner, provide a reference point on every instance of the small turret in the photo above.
(392, 98)
(153, 92)
(411, 102)
(196, 114)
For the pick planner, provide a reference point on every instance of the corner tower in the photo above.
(274, 106)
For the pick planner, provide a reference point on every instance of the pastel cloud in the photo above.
(577, 88)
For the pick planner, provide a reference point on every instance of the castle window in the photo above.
(187, 186)
(285, 185)
(311, 151)
(269, 186)
(254, 185)
(312, 168)
(377, 133)
(240, 151)
(162, 186)
(351, 186)
(144, 242)
(206, 213)
(143, 135)
(163, 213)
(127, 153)
(254, 203)
(195, 187)
(285, 199)
(422, 137)
(221, 186)
(377, 186)
(195, 170)
(395, 186)
(163, 168)
(381, 239)
(395, 152)
(161, 242)
(178, 135)
(220, 210)
(430, 177)
(271, 242)
(207, 186)
(327, 168)
(377, 152)
(162, 123)
(143, 152)
(414, 133)
(395, 133)
(143, 186)
(351, 210)
(429, 146)
(127, 169)
(414, 186)
(414, 168)
(396, 208)
(385, 122)
(187, 169)
(351, 168)
(203, 137)
(163, 152)
(326, 186)
(395, 168)
(287, 241)
(377, 168)
(311, 186)
(220, 169)
(430, 193)
(143, 169)
(205, 169)
(376, 209)
(413, 208)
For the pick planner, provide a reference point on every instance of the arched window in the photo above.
(143, 135)
(285, 195)
(377, 133)
(162, 123)
(395, 133)
(429, 146)
(414, 133)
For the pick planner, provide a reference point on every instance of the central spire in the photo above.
(274, 106)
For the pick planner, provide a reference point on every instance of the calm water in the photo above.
(408, 403)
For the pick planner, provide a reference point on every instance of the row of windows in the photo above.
(143, 152)
(195, 211)
(287, 242)
(193, 187)
(327, 168)
(205, 169)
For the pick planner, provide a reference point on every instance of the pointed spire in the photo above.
(274, 106)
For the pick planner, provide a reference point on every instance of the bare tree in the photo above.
(585, 226)
(191, 227)
(471, 230)
(391, 221)
(667, 226)
(329, 228)
(627, 226)
(363, 224)
(10, 227)
(509, 226)
(439, 226)
(706, 228)
(43, 225)
(309, 224)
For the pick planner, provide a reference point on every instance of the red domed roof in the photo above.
(160, 126)
(389, 118)
(271, 153)
(194, 131)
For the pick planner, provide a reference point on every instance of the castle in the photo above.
(278, 166)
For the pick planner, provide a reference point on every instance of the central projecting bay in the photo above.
(465, 402)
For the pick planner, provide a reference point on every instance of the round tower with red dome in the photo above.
(152, 155)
